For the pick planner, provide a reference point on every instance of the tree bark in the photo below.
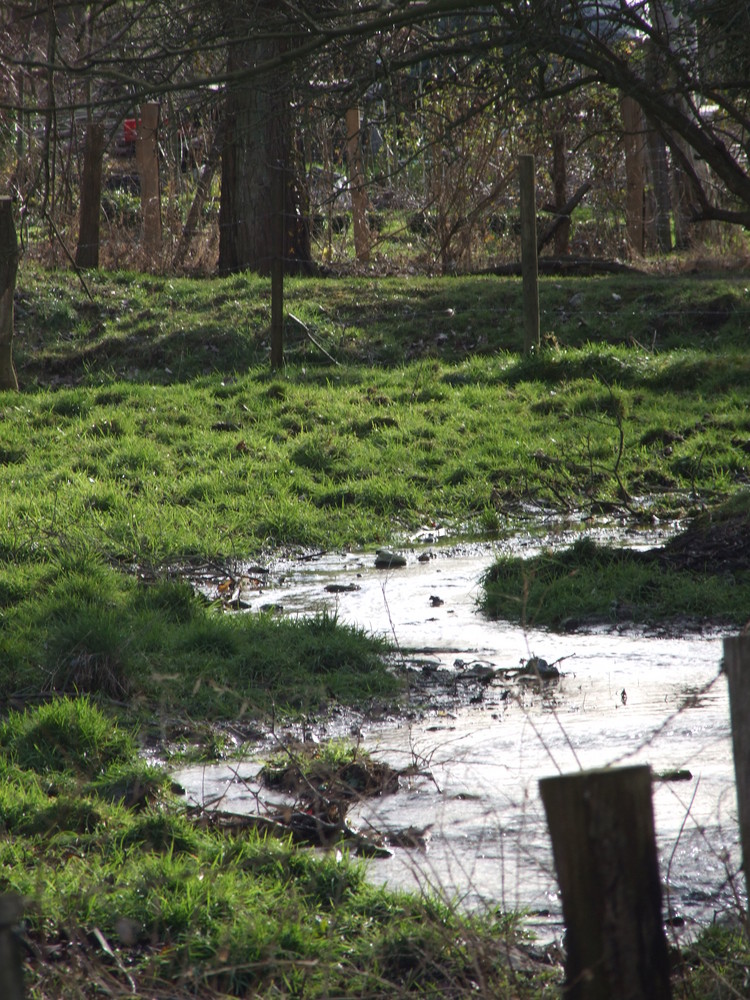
(560, 184)
(258, 143)
(87, 251)
(562, 216)
(8, 270)
(633, 134)
(201, 193)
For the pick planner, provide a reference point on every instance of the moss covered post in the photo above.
(602, 828)
(8, 269)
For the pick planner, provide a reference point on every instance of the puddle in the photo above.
(622, 699)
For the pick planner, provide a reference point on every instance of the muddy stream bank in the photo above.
(623, 697)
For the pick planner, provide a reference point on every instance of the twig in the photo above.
(317, 343)
(70, 257)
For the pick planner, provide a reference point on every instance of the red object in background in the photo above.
(130, 129)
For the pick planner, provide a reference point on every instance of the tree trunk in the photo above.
(560, 184)
(634, 138)
(203, 187)
(87, 251)
(258, 143)
(357, 185)
(8, 269)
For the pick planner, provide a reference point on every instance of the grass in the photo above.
(149, 897)
(149, 433)
(590, 584)
(85, 628)
(168, 437)
(703, 577)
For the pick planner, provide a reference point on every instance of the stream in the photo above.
(623, 697)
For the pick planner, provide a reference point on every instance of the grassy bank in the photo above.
(702, 576)
(121, 891)
(150, 424)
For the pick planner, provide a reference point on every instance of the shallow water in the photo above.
(622, 699)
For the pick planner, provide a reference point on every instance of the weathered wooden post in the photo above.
(8, 269)
(529, 263)
(357, 185)
(147, 158)
(277, 267)
(602, 828)
(87, 251)
(11, 968)
(737, 668)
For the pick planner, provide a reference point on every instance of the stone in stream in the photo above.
(537, 667)
(385, 559)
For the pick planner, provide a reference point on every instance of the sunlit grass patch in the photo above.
(88, 628)
(590, 584)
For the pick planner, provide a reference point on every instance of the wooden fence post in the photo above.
(11, 968)
(147, 158)
(277, 266)
(8, 270)
(529, 263)
(602, 828)
(357, 185)
(87, 250)
(737, 668)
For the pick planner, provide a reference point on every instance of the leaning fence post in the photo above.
(737, 668)
(529, 261)
(602, 828)
(8, 270)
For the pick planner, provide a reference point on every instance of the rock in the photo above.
(676, 775)
(537, 667)
(436, 602)
(478, 672)
(385, 559)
